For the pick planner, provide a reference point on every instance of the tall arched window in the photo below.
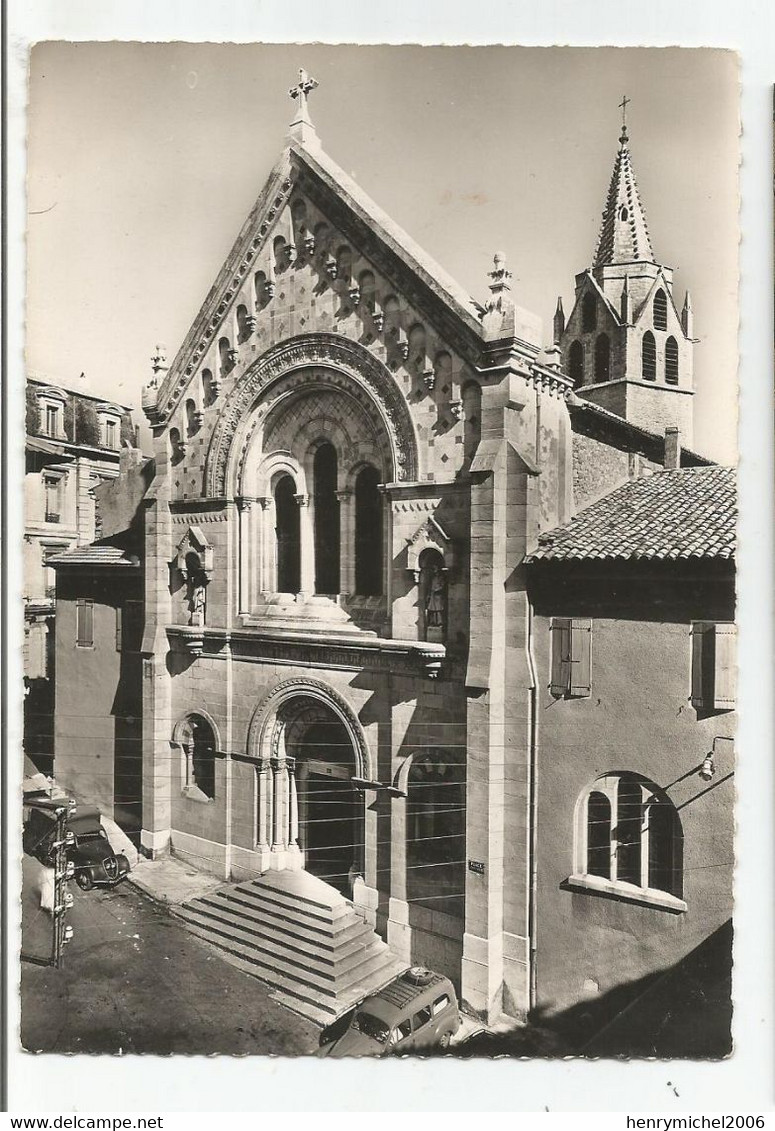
(368, 533)
(649, 357)
(660, 310)
(589, 313)
(326, 520)
(576, 364)
(602, 358)
(629, 841)
(288, 536)
(436, 831)
(671, 361)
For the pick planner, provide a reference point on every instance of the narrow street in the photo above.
(135, 981)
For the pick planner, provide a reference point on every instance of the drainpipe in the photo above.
(533, 817)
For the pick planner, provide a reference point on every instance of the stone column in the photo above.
(278, 775)
(267, 567)
(263, 806)
(293, 816)
(399, 932)
(245, 553)
(346, 542)
(307, 539)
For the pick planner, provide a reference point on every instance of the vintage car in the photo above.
(88, 846)
(416, 1012)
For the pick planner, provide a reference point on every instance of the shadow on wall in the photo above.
(683, 1012)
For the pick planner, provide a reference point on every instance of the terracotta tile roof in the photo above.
(96, 555)
(670, 515)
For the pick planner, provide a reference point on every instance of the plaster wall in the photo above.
(590, 944)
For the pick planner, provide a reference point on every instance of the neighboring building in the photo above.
(634, 643)
(346, 632)
(72, 445)
(100, 618)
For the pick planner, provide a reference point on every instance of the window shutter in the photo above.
(561, 655)
(725, 674)
(699, 630)
(119, 626)
(84, 623)
(580, 656)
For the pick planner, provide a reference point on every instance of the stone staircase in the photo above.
(300, 936)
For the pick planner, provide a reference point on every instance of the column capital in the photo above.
(344, 495)
(302, 499)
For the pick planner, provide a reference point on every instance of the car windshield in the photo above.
(85, 838)
(372, 1026)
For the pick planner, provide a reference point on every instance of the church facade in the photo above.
(353, 464)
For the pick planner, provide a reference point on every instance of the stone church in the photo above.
(344, 578)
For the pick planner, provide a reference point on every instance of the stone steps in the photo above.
(300, 936)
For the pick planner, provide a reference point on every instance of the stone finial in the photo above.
(687, 316)
(500, 275)
(559, 321)
(159, 360)
(302, 129)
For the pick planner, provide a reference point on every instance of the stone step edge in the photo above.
(288, 911)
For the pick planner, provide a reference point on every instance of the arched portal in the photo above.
(308, 748)
(331, 810)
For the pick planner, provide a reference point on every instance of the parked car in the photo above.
(89, 849)
(416, 1011)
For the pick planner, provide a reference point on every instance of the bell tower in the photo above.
(625, 345)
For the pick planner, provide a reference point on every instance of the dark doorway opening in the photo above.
(368, 534)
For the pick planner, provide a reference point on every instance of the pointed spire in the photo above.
(559, 321)
(624, 235)
(687, 316)
(302, 129)
(625, 309)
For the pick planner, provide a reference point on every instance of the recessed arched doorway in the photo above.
(330, 808)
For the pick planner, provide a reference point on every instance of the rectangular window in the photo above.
(714, 666)
(52, 420)
(51, 486)
(422, 1017)
(440, 1004)
(84, 623)
(110, 433)
(571, 648)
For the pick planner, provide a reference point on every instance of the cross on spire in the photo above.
(623, 107)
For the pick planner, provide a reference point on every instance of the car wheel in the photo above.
(84, 881)
(444, 1040)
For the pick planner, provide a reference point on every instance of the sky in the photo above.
(145, 159)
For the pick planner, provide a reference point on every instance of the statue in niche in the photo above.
(433, 587)
(196, 579)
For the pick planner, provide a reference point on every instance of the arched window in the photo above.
(288, 536)
(224, 354)
(433, 596)
(197, 741)
(177, 446)
(660, 310)
(326, 520)
(589, 313)
(649, 357)
(576, 364)
(208, 388)
(280, 250)
(368, 533)
(603, 358)
(671, 361)
(629, 835)
(436, 831)
(243, 330)
(368, 290)
(344, 265)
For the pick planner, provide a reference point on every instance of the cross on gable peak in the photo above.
(302, 128)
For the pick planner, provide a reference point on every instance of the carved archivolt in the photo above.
(269, 719)
(338, 362)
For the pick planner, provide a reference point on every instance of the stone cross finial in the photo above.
(300, 93)
(500, 275)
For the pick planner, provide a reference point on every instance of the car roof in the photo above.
(391, 1001)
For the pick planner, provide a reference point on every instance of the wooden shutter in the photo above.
(580, 656)
(561, 655)
(84, 628)
(725, 668)
(699, 648)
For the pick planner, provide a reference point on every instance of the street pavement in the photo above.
(134, 980)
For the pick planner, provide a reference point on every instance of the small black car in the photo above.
(94, 860)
